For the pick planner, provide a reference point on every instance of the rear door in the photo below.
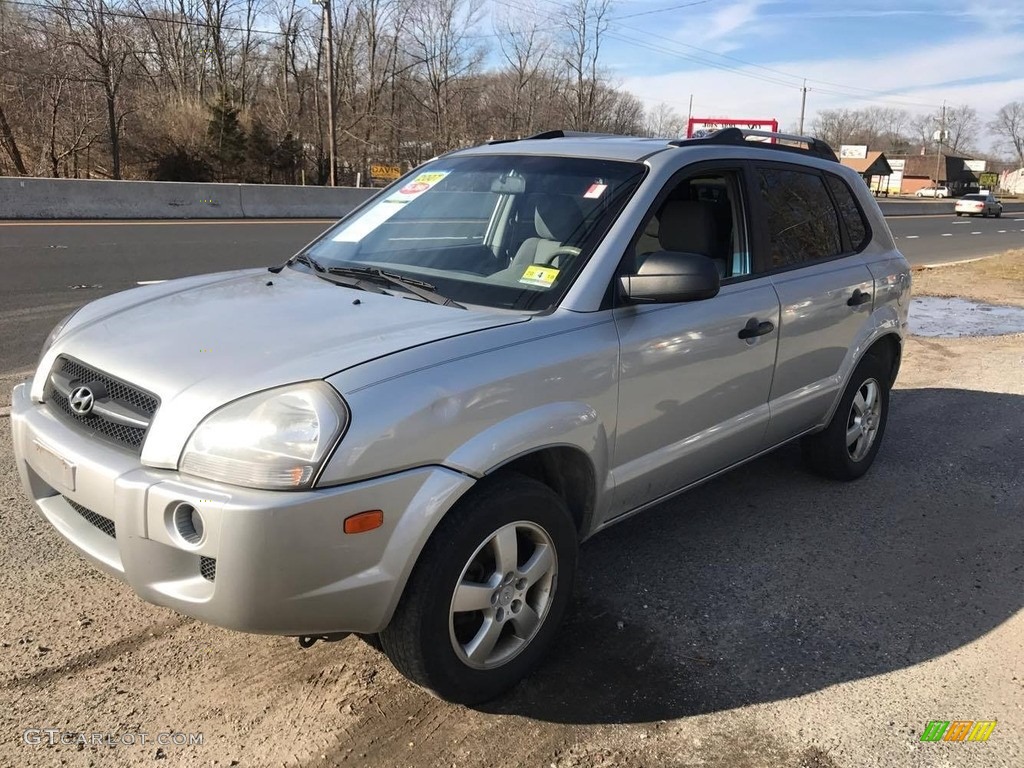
(812, 234)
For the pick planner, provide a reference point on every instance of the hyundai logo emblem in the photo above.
(81, 401)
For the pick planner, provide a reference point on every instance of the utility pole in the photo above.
(938, 146)
(329, 31)
(803, 107)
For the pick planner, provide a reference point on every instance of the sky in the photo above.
(748, 58)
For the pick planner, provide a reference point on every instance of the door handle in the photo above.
(859, 297)
(753, 328)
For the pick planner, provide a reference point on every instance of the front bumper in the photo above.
(280, 561)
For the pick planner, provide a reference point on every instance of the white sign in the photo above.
(978, 166)
(898, 165)
(854, 151)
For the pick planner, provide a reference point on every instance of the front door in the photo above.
(694, 377)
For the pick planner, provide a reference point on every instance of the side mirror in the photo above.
(672, 276)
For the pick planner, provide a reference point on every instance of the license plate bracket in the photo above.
(52, 466)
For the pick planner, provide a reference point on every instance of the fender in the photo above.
(572, 424)
(575, 424)
(883, 321)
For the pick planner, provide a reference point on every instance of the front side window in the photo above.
(702, 214)
(803, 224)
(504, 231)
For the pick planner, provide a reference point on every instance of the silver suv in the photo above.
(406, 430)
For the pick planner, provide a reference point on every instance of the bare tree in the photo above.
(8, 44)
(663, 121)
(586, 22)
(444, 51)
(1008, 126)
(524, 45)
(962, 126)
(100, 33)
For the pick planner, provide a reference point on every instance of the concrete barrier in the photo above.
(266, 201)
(30, 198)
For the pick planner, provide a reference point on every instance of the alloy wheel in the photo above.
(864, 420)
(503, 595)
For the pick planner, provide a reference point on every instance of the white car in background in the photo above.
(984, 204)
(938, 192)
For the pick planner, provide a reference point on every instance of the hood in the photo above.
(202, 342)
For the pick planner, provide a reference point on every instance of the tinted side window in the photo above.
(856, 226)
(802, 221)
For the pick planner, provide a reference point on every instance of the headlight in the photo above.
(58, 329)
(273, 439)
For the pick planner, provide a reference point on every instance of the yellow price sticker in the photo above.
(536, 274)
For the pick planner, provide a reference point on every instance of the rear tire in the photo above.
(488, 592)
(846, 448)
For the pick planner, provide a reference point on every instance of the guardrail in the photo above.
(31, 198)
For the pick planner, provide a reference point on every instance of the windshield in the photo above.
(975, 197)
(506, 231)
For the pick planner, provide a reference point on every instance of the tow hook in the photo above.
(307, 641)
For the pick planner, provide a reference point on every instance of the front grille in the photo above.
(105, 524)
(69, 374)
(208, 568)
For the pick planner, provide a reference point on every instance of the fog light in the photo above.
(188, 522)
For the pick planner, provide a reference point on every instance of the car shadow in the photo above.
(768, 582)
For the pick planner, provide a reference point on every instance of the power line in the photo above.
(658, 10)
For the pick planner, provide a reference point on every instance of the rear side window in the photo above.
(853, 217)
(803, 224)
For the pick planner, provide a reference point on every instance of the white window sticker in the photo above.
(595, 191)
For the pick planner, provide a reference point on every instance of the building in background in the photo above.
(873, 167)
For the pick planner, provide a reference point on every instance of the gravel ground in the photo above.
(769, 618)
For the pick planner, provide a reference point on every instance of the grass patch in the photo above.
(994, 279)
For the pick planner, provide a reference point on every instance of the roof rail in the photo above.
(738, 136)
(558, 133)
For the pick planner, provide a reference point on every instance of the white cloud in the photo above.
(725, 27)
(924, 77)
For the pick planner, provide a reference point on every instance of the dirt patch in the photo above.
(995, 279)
(769, 618)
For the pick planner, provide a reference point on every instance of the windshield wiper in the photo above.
(424, 290)
(301, 258)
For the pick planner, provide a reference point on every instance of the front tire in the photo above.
(488, 592)
(847, 447)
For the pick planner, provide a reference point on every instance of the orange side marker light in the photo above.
(361, 522)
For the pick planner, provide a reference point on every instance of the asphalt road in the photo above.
(51, 268)
(941, 238)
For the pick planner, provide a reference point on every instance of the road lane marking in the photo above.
(950, 234)
(912, 237)
(149, 282)
(975, 233)
(1002, 231)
